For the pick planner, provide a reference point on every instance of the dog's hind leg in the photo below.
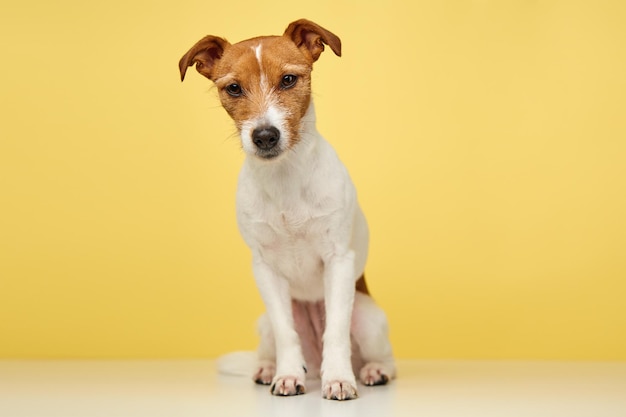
(266, 367)
(370, 332)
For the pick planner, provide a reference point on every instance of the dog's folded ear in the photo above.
(312, 37)
(205, 53)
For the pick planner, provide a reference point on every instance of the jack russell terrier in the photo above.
(298, 212)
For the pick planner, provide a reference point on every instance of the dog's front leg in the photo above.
(338, 382)
(290, 364)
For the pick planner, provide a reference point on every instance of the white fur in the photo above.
(264, 84)
(240, 363)
(308, 236)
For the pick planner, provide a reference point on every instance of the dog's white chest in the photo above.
(292, 224)
(298, 213)
(289, 238)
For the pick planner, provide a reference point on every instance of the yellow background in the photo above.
(487, 140)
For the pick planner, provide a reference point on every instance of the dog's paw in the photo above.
(339, 390)
(287, 385)
(265, 373)
(374, 374)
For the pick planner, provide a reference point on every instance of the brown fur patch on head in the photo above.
(266, 80)
(258, 66)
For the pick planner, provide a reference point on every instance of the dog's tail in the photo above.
(241, 363)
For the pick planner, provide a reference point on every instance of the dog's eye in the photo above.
(288, 81)
(234, 90)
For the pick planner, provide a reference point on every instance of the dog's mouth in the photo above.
(268, 155)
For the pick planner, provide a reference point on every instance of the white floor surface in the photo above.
(424, 388)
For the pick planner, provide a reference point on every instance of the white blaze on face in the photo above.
(270, 115)
(265, 90)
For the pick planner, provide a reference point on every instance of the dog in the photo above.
(297, 211)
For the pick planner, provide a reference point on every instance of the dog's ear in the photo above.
(205, 53)
(312, 37)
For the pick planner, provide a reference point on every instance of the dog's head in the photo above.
(264, 83)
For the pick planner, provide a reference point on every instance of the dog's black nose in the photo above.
(265, 138)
